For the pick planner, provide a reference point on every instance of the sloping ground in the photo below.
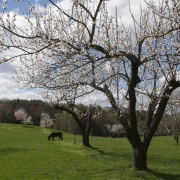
(26, 153)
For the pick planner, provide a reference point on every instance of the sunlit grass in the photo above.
(26, 153)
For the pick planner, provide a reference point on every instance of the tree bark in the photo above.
(85, 134)
(140, 158)
(85, 139)
(139, 149)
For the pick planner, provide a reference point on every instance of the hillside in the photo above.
(26, 153)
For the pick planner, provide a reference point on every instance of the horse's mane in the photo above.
(50, 135)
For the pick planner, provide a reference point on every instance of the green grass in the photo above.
(25, 153)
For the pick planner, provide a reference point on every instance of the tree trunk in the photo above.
(85, 138)
(85, 131)
(176, 137)
(140, 159)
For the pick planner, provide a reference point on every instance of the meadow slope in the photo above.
(26, 153)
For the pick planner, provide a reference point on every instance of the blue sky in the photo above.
(10, 90)
(22, 5)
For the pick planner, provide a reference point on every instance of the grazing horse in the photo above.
(55, 134)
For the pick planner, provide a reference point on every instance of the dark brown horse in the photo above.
(55, 134)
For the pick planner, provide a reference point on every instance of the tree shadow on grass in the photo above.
(28, 126)
(164, 175)
(98, 150)
(113, 154)
(8, 150)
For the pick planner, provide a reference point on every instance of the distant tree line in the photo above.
(61, 119)
(33, 108)
(104, 122)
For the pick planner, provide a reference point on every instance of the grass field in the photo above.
(26, 154)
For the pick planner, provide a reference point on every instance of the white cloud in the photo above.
(96, 97)
(9, 89)
(123, 10)
(14, 93)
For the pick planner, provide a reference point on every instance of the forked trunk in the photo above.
(140, 159)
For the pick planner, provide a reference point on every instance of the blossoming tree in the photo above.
(85, 49)
(174, 111)
(20, 114)
(45, 121)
